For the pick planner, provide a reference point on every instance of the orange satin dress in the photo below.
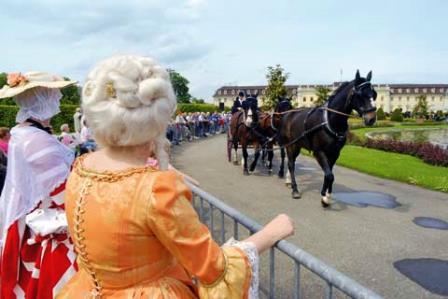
(137, 236)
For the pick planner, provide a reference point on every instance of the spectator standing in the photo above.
(37, 257)
(4, 140)
(77, 120)
(67, 138)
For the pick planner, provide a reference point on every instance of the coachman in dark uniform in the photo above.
(238, 103)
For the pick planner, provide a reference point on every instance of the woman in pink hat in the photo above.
(37, 255)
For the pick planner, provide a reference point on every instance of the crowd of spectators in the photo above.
(195, 125)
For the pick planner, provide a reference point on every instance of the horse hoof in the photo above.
(296, 194)
(245, 172)
(324, 204)
(326, 200)
(235, 162)
(281, 175)
(270, 171)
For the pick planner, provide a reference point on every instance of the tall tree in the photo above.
(180, 86)
(276, 77)
(322, 93)
(421, 109)
(71, 95)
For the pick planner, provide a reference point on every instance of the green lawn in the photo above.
(399, 167)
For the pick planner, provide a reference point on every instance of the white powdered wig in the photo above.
(128, 101)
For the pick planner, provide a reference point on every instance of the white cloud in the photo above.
(70, 37)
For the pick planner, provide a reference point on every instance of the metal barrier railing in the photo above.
(332, 277)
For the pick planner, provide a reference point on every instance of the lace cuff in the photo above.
(252, 255)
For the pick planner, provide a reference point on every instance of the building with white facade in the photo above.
(390, 96)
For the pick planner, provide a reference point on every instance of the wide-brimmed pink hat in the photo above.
(18, 83)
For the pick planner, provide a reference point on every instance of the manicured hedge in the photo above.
(197, 108)
(8, 116)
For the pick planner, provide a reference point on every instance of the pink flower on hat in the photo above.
(15, 79)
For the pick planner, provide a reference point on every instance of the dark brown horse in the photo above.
(260, 131)
(241, 125)
(323, 130)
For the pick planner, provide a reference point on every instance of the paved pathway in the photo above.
(362, 242)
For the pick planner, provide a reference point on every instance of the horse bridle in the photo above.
(357, 91)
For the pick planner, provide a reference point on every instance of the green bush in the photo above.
(396, 115)
(8, 116)
(64, 117)
(197, 107)
(380, 114)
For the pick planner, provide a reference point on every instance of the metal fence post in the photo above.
(296, 280)
(272, 273)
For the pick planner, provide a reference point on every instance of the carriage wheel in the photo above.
(229, 147)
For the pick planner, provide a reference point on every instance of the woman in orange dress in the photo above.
(133, 226)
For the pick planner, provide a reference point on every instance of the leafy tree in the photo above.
(3, 79)
(198, 101)
(322, 93)
(71, 95)
(276, 77)
(396, 115)
(421, 109)
(180, 86)
(380, 115)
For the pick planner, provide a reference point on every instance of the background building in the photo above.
(390, 96)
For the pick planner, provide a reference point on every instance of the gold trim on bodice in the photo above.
(108, 176)
(79, 238)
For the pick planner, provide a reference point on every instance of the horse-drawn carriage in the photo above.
(321, 130)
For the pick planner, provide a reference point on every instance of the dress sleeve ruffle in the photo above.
(240, 277)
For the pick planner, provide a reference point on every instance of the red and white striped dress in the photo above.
(37, 253)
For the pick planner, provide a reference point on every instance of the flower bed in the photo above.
(428, 152)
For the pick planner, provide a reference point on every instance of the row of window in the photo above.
(408, 98)
(422, 90)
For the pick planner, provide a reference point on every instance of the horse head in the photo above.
(363, 98)
(284, 104)
(250, 106)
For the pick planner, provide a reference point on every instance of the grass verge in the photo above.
(399, 167)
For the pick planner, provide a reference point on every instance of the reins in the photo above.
(321, 107)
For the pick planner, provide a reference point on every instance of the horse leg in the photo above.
(281, 171)
(270, 157)
(235, 154)
(293, 152)
(256, 156)
(331, 160)
(245, 156)
(263, 154)
(325, 164)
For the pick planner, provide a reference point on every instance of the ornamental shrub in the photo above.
(182, 107)
(380, 114)
(396, 115)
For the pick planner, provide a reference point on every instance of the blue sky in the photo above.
(216, 42)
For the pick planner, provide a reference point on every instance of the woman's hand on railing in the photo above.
(277, 229)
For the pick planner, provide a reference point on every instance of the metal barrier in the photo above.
(332, 277)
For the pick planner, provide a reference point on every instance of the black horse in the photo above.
(323, 130)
